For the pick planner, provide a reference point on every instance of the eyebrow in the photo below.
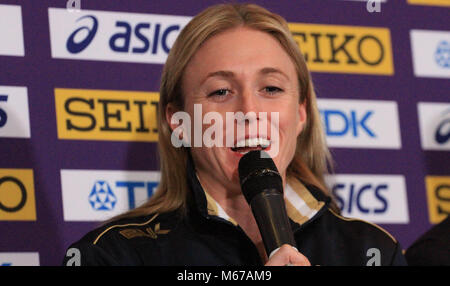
(269, 70)
(230, 74)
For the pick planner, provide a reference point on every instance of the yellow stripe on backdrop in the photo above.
(113, 115)
(345, 49)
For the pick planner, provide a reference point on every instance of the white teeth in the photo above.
(253, 142)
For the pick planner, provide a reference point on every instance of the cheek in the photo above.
(290, 123)
(290, 126)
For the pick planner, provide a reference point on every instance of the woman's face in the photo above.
(243, 70)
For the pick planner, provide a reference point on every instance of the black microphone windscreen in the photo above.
(258, 172)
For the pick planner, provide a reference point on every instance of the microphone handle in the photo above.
(269, 210)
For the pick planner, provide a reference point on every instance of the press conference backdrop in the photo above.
(79, 94)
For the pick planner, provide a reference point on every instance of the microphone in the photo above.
(262, 187)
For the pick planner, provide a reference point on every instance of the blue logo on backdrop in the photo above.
(351, 198)
(338, 123)
(442, 133)
(6, 264)
(77, 47)
(442, 54)
(3, 115)
(102, 197)
(121, 42)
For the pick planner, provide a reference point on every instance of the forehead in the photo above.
(240, 50)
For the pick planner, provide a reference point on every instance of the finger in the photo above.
(287, 255)
(299, 260)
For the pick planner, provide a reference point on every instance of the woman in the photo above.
(237, 58)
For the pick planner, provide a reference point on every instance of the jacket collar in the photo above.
(303, 204)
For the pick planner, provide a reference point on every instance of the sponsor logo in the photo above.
(14, 116)
(113, 36)
(11, 31)
(360, 123)
(430, 2)
(438, 195)
(375, 198)
(76, 47)
(19, 259)
(434, 122)
(431, 53)
(442, 54)
(106, 115)
(345, 49)
(131, 37)
(17, 201)
(96, 195)
(102, 197)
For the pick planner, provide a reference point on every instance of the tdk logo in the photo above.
(102, 197)
(97, 195)
(338, 123)
(375, 198)
(360, 123)
(442, 54)
(113, 36)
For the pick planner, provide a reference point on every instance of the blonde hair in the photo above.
(312, 157)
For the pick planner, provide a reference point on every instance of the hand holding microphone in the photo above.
(287, 255)
(262, 187)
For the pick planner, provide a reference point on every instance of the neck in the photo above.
(235, 205)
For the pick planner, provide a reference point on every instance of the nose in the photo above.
(249, 104)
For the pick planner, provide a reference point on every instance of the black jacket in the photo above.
(207, 236)
(432, 248)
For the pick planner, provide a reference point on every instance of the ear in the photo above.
(302, 117)
(170, 111)
(180, 126)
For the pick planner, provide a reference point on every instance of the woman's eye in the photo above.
(220, 92)
(272, 89)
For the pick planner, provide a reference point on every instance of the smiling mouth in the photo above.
(246, 145)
